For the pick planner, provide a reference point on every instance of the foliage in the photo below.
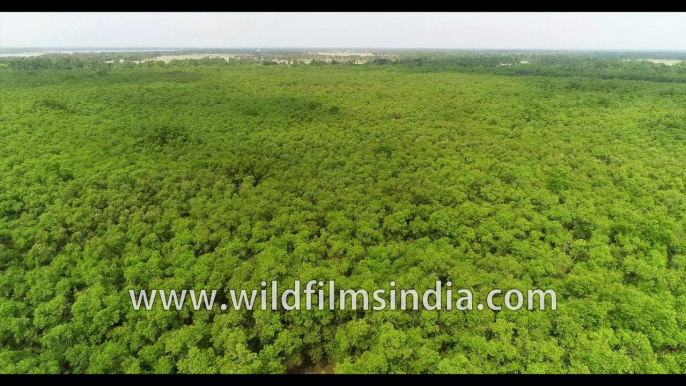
(209, 176)
(546, 65)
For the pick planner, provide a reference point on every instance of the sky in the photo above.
(598, 31)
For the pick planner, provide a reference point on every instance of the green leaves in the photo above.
(221, 176)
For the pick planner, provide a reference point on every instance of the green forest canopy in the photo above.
(205, 176)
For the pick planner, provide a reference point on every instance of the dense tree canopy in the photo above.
(207, 176)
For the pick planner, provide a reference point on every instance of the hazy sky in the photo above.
(648, 31)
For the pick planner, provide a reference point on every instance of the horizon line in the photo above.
(343, 47)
